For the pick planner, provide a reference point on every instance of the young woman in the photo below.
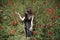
(28, 21)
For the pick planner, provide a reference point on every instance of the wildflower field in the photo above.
(46, 21)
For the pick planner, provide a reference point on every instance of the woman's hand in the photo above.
(20, 16)
(17, 13)
(31, 29)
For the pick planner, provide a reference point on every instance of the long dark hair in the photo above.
(28, 12)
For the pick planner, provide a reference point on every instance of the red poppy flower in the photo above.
(1, 10)
(44, 2)
(34, 32)
(52, 18)
(58, 5)
(32, 39)
(50, 38)
(50, 24)
(9, 2)
(1, 4)
(52, 0)
(50, 32)
(50, 10)
(59, 16)
(12, 32)
(14, 22)
(1, 27)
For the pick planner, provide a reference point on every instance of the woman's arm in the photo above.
(32, 23)
(20, 16)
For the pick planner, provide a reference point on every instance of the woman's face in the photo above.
(28, 11)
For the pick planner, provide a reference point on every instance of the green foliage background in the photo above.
(41, 16)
